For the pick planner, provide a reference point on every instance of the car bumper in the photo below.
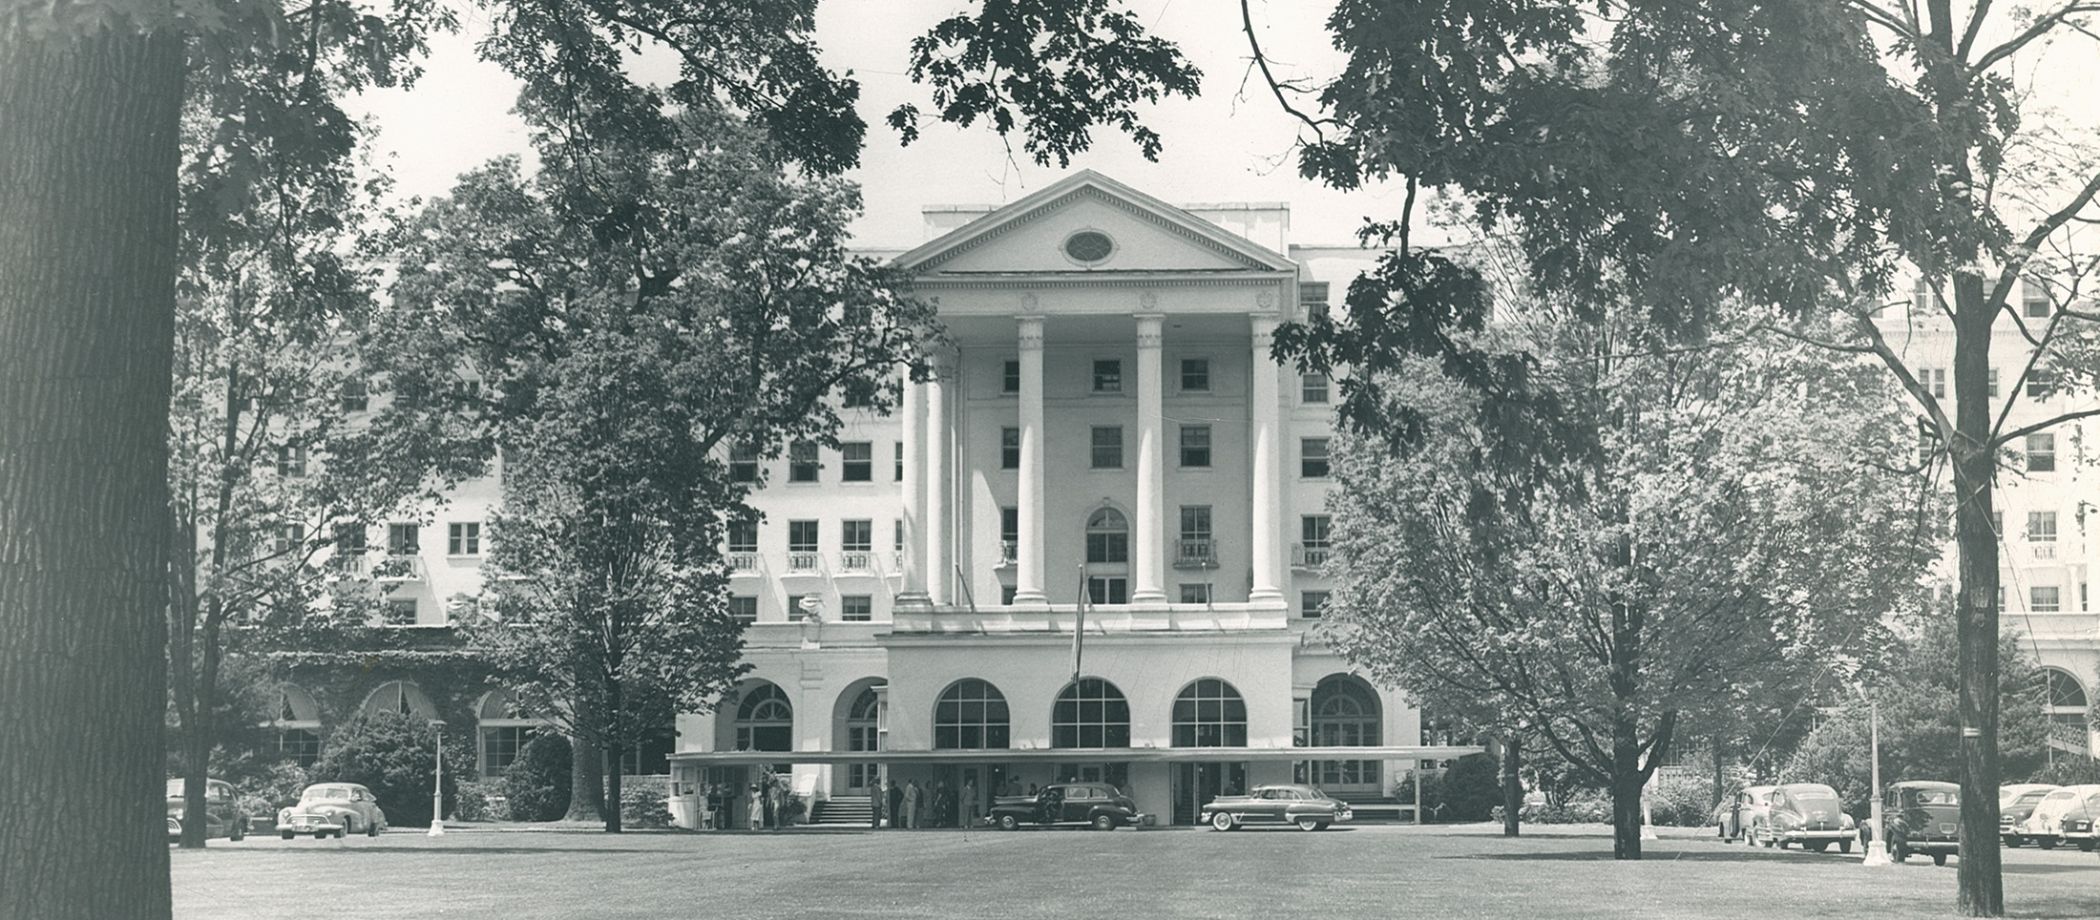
(296, 826)
(1819, 836)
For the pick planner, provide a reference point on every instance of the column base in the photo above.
(1264, 594)
(913, 599)
(1150, 597)
(1030, 598)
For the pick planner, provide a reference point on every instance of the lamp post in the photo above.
(1877, 851)
(437, 783)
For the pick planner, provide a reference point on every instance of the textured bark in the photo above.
(586, 781)
(1980, 888)
(1512, 784)
(87, 270)
(612, 790)
(1627, 782)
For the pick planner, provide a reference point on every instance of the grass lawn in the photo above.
(1466, 872)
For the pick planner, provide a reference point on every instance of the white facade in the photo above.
(1106, 408)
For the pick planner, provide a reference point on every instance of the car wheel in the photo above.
(285, 834)
(1009, 823)
(320, 835)
(1104, 822)
(237, 834)
(1844, 846)
(1310, 824)
(1818, 847)
(1939, 859)
(1221, 821)
(2046, 843)
(2013, 840)
(372, 829)
(2086, 845)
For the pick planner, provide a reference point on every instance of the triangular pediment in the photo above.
(1147, 235)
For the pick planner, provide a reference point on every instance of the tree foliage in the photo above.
(1740, 515)
(537, 783)
(395, 755)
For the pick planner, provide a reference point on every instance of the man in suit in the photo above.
(972, 808)
(896, 811)
(911, 805)
(877, 797)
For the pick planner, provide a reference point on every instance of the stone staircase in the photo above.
(842, 811)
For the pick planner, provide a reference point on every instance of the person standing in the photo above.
(971, 808)
(877, 798)
(755, 810)
(896, 804)
(911, 805)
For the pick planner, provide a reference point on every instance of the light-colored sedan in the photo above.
(1745, 812)
(332, 809)
(2044, 827)
(1306, 807)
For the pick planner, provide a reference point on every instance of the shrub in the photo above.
(1682, 802)
(2068, 770)
(1581, 808)
(537, 783)
(391, 754)
(472, 801)
(643, 804)
(1468, 790)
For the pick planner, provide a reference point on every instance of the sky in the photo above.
(1221, 146)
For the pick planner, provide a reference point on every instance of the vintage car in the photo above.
(1743, 813)
(2044, 826)
(332, 809)
(1304, 806)
(223, 816)
(2016, 803)
(1923, 817)
(2078, 825)
(1808, 814)
(1100, 806)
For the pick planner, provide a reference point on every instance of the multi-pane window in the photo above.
(291, 460)
(898, 475)
(1006, 595)
(401, 611)
(1009, 534)
(2041, 453)
(1090, 713)
(1195, 445)
(857, 536)
(1195, 375)
(765, 720)
(743, 464)
(1312, 299)
(299, 745)
(2034, 298)
(1107, 447)
(463, 538)
(1107, 538)
(349, 544)
(355, 396)
(859, 394)
(1935, 381)
(2040, 383)
(1195, 592)
(500, 746)
(287, 539)
(970, 715)
(1993, 385)
(1312, 458)
(2041, 526)
(857, 461)
(802, 536)
(897, 535)
(1312, 388)
(743, 536)
(1108, 376)
(1107, 589)
(743, 608)
(856, 608)
(1922, 296)
(1312, 603)
(1010, 376)
(1194, 546)
(1313, 534)
(2044, 599)
(1210, 713)
(1009, 448)
(802, 462)
(403, 539)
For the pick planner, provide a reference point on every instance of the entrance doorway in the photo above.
(1196, 784)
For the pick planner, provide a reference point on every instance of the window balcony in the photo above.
(1009, 553)
(743, 562)
(857, 561)
(896, 562)
(1195, 553)
(1308, 555)
(805, 563)
(398, 569)
(347, 565)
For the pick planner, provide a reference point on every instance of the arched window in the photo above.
(298, 725)
(504, 731)
(1090, 713)
(1344, 714)
(1210, 713)
(399, 696)
(2064, 690)
(2066, 709)
(970, 715)
(765, 720)
(1107, 538)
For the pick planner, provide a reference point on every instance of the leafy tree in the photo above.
(1797, 155)
(537, 783)
(1920, 734)
(1725, 514)
(87, 297)
(395, 755)
(632, 314)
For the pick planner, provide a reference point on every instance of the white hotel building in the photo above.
(1107, 406)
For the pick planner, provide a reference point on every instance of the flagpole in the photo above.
(1079, 626)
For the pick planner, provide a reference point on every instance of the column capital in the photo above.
(1263, 325)
(1030, 337)
(1148, 329)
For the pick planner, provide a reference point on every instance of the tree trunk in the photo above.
(88, 149)
(612, 790)
(1627, 784)
(1980, 887)
(1512, 783)
(586, 782)
(1720, 775)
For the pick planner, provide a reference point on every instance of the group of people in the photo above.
(765, 803)
(910, 805)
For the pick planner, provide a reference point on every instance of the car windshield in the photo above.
(328, 793)
(2028, 799)
(1816, 798)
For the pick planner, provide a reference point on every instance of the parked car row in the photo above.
(1923, 817)
(1103, 807)
(324, 810)
(1807, 814)
(2048, 816)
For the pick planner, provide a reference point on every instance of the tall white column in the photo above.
(1028, 543)
(912, 562)
(1263, 412)
(940, 575)
(1150, 580)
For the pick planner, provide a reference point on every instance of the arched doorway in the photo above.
(503, 730)
(1108, 557)
(1092, 713)
(298, 726)
(859, 728)
(765, 719)
(1345, 713)
(1208, 713)
(2066, 708)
